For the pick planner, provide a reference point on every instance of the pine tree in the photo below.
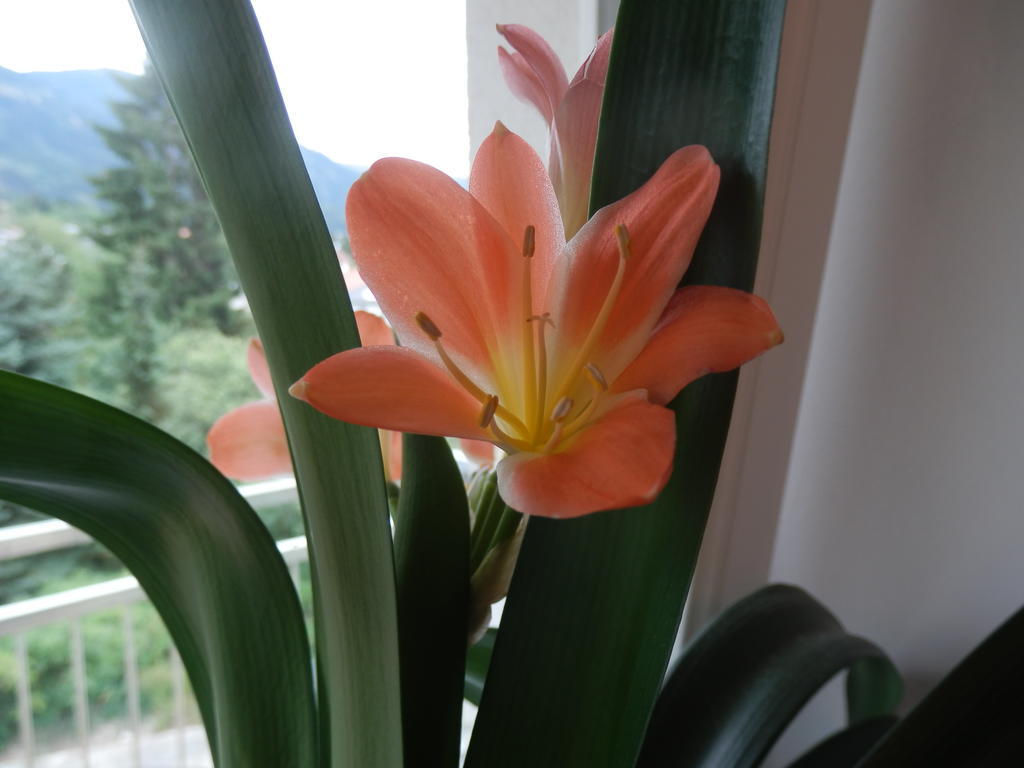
(156, 210)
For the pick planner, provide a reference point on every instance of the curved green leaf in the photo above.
(595, 602)
(212, 61)
(973, 718)
(478, 659)
(739, 684)
(845, 748)
(198, 550)
(432, 567)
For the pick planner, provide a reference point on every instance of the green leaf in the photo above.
(432, 565)
(595, 602)
(973, 718)
(214, 66)
(746, 676)
(478, 659)
(198, 550)
(846, 747)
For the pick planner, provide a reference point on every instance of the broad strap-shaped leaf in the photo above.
(212, 61)
(478, 659)
(595, 602)
(845, 748)
(973, 718)
(198, 550)
(746, 676)
(432, 566)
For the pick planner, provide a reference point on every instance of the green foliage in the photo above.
(102, 639)
(738, 685)
(38, 307)
(202, 374)
(214, 65)
(157, 217)
(198, 550)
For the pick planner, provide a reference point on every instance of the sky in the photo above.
(361, 80)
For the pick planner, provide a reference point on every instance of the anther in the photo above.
(487, 415)
(544, 319)
(427, 326)
(558, 414)
(622, 236)
(561, 409)
(600, 383)
(529, 240)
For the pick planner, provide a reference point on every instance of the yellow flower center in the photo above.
(546, 420)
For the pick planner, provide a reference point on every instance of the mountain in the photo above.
(49, 147)
(331, 181)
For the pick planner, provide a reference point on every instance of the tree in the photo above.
(35, 307)
(156, 211)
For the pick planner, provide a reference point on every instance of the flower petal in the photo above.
(510, 180)
(623, 459)
(665, 218)
(705, 329)
(373, 330)
(595, 67)
(391, 447)
(249, 443)
(574, 136)
(423, 244)
(258, 368)
(479, 451)
(390, 388)
(540, 57)
(524, 83)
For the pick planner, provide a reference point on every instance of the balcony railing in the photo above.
(183, 743)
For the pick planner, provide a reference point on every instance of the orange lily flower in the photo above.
(249, 442)
(562, 354)
(571, 109)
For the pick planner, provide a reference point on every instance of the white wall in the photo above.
(822, 44)
(903, 507)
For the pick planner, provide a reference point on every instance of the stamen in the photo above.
(491, 407)
(428, 326)
(622, 236)
(558, 414)
(561, 409)
(600, 386)
(529, 240)
(434, 333)
(542, 321)
(585, 350)
(530, 406)
(487, 416)
(597, 379)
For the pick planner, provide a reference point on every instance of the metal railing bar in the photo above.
(50, 535)
(131, 678)
(81, 700)
(178, 686)
(33, 538)
(72, 603)
(28, 741)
